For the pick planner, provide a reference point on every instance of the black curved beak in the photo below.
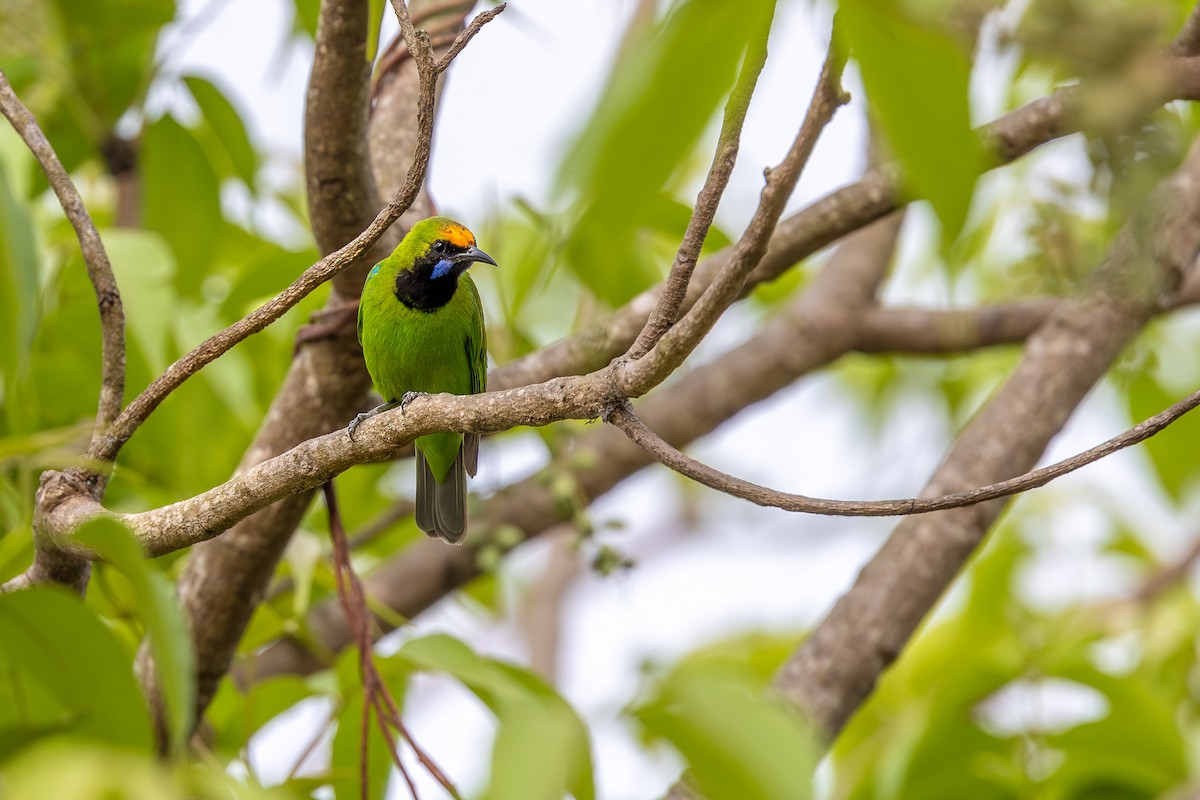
(474, 254)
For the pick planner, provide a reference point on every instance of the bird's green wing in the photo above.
(374, 271)
(476, 345)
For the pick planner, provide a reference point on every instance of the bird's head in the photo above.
(442, 248)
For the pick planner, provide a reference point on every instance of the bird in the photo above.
(420, 324)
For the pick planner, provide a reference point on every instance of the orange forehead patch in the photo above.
(458, 235)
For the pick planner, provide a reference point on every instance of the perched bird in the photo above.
(420, 323)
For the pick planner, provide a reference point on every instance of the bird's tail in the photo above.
(442, 507)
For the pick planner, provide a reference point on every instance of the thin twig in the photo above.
(376, 695)
(108, 298)
(675, 288)
(466, 35)
(674, 346)
(623, 417)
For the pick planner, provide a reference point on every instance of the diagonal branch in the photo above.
(677, 343)
(622, 416)
(674, 290)
(837, 666)
(108, 298)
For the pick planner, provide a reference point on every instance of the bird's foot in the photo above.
(409, 397)
(366, 415)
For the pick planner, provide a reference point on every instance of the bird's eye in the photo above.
(439, 246)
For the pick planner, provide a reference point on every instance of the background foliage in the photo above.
(1009, 691)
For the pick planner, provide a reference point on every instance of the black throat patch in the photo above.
(420, 291)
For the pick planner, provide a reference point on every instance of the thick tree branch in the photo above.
(838, 665)
(342, 195)
(99, 270)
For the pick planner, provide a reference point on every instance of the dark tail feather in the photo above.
(442, 507)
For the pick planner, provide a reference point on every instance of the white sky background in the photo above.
(512, 101)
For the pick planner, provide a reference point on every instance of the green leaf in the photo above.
(347, 740)
(170, 642)
(88, 772)
(541, 748)
(375, 12)
(19, 302)
(110, 44)
(236, 715)
(307, 12)
(181, 199)
(62, 669)
(227, 125)
(667, 85)
(1137, 748)
(144, 267)
(1173, 454)
(917, 80)
(739, 744)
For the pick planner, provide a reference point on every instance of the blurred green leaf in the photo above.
(144, 267)
(180, 199)
(1136, 751)
(541, 748)
(65, 670)
(227, 125)
(74, 772)
(154, 602)
(739, 743)
(1173, 453)
(668, 83)
(236, 714)
(375, 11)
(110, 44)
(19, 301)
(307, 12)
(917, 80)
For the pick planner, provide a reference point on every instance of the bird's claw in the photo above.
(409, 397)
(354, 423)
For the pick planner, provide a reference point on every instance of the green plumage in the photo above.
(421, 326)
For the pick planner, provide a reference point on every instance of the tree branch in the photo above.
(622, 416)
(674, 290)
(99, 270)
(838, 664)
(675, 344)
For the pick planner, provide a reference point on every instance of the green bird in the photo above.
(420, 323)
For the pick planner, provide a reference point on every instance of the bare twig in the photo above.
(108, 298)
(466, 35)
(675, 344)
(674, 290)
(377, 697)
(1168, 575)
(623, 417)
